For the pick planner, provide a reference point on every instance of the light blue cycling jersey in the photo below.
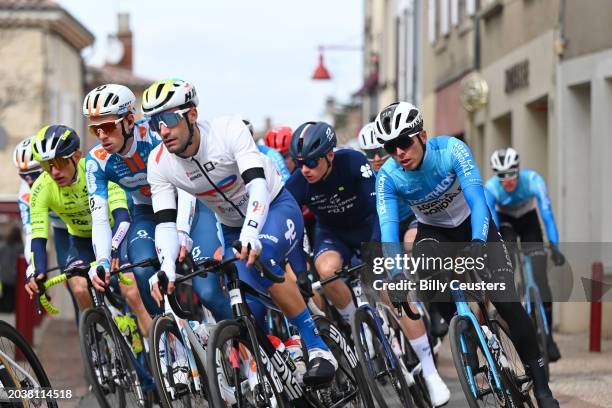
(443, 191)
(277, 159)
(530, 188)
(403, 206)
(129, 171)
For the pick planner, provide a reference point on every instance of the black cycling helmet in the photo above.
(312, 140)
(55, 141)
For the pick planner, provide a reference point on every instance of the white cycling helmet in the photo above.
(23, 158)
(367, 137)
(167, 94)
(398, 119)
(109, 99)
(506, 159)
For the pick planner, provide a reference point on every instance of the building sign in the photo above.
(517, 76)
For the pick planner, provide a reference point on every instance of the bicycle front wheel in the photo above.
(232, 370)
(177, 385)
(109, 366)
(381, 368)
(476, 373)
(21, 368)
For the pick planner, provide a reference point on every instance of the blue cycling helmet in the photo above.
(55, 141)
(312, 140)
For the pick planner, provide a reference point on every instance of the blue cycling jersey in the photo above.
(344, 198)
(129, 171)
(530, 188)
(443, 191)
(277, 159)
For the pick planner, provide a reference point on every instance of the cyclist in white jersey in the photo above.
(220, 164)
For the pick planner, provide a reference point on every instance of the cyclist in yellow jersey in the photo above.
(62, 188)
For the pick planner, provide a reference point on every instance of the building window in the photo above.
(433, 21)
(444, 17)
(470, 7)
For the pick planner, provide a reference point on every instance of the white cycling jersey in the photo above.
(213, 175)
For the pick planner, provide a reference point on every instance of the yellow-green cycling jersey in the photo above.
(70, 203)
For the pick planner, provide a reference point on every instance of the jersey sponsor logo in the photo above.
(78, 221)
(290, 234)
(143, 131)
(252, 223)
(380, 195)
(366, 171)
(100, 153)
(226, 186)
(91, 167)
(26, 197)
(269, 237)
(258, 207)
(145, 190)
(438, 190)
(438, 205)
(465, 159)
(210, 166)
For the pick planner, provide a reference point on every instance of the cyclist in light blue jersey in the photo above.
(439, 179)
(275, 157)
(121, 157)
(517, 195)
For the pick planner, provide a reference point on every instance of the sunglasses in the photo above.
(508, 175)
(310, 163)
(106, 127)
(168, 119)
(58, 163)
(401, 142)
(31, 176)
(379, 151)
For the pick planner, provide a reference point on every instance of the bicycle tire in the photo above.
(162, 325)
(119, 362)
(224, 331)
(9, 332)
(500, 398)
(516, 370)
(347, 361)
(418, 391)
(398, 385)
(538, 321)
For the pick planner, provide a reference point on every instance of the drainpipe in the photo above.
(477, 37)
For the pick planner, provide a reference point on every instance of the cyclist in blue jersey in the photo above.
(441, 182)
(274, 156)
(121, 157)
(517, 195)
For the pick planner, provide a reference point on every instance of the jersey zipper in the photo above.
(217, 188)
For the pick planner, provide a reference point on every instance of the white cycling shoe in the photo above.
(439, 393)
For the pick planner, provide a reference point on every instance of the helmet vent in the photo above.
(378, 127)
(412, 115)
(108, 99)
(95, 101)
(397, 121)
(158, 90)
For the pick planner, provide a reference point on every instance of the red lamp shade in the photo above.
(321, 72)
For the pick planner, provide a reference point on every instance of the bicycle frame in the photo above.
(189, 338)
(17, 367)
(463, 310)
(530, 284)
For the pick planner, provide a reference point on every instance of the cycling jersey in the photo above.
(345, 197)
(443, 191)
(530, 189)
(23, 201)
(226, 156)
(130, 172)
(277, 159)
(70, 203)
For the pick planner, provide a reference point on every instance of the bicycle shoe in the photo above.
(321, 367)
(439, 394)
(547, 402)
(553, 351)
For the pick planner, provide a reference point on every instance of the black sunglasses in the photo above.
(310, 163)
(403, 142)
(372, 153)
